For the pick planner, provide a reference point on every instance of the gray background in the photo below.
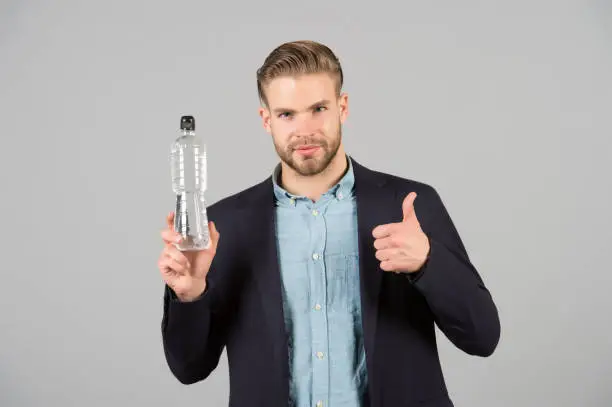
(504, 107)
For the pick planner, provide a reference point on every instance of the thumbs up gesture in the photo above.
(402, 247)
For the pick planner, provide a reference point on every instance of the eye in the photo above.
(284, 115)
(320, 108)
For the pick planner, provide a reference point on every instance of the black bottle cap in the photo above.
(187, 123)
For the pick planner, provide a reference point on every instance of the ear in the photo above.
(265, 117)
(343, 107)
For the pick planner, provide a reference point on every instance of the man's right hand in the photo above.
(185, 271)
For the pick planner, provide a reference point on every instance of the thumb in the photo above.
(214, 234)
(408, 205)
(170, 220)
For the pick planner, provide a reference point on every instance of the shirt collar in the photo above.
(341, 190)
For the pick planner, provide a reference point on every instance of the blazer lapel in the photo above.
(374, 207)
(266, 272)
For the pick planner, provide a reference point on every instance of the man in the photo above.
(329, 277)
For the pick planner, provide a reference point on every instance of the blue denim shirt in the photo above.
(319, 263)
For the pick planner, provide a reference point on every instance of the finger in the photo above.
(170, 220)
(387, 254)
(382, 231)
(168, 265)
(385, 243)
(408, 205)
(169, 236)
(178, 256)
(387, 266)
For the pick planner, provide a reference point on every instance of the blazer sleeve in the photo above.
(462, 305)
(194, 334)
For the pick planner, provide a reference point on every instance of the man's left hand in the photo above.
(402, 247)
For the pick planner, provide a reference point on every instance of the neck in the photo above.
(313, 186)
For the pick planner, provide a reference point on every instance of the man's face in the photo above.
(304, 116)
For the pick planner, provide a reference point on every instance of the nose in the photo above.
(307, 124)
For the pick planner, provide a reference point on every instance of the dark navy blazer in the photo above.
(242, 311)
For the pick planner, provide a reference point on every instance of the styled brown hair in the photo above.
(299, 58)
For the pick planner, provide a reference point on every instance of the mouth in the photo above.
(307, 149)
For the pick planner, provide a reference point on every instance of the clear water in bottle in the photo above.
(188, 168)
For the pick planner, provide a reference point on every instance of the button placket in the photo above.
(319, 316)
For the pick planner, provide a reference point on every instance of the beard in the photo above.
(313, 165)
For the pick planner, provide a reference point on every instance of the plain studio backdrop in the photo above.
(504, 107)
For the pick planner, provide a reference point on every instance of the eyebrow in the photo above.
(285, 110)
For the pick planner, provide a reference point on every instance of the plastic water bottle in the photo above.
(188, 170)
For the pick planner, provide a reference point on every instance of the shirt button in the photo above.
(340, 195)
(319, 404)
(318, 307)
(320, 355)
(292, 201)
(315, 212)
(315, 256)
